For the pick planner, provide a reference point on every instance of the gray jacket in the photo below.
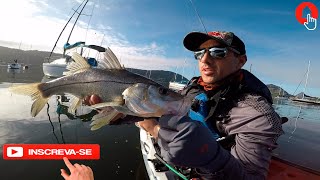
(245, 113)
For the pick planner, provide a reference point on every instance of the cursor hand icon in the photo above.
(311, 23)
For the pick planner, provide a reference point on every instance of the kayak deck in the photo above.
(282, 170)
(279, 169)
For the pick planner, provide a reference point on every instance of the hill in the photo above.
(278, 91)
(36, 58)
(31, 57)
(160, 76)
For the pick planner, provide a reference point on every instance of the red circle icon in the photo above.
(300, 8)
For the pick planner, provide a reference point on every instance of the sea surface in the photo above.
(120, 155)
(120, 147)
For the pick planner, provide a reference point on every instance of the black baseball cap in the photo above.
(194, 39)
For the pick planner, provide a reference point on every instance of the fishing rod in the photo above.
(75, 23)
(170, 167)
(64, 29)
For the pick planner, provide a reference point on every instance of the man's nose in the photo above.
(205, 58)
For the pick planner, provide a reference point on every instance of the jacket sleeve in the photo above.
(257, 128)
(189, 143)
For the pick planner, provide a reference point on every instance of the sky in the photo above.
(148, 34)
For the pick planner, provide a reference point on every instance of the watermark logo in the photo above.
(50, 151)
(310, 22)
(14, 152)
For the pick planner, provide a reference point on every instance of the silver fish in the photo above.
(121, 91)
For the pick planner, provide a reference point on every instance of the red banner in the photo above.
(50, 151)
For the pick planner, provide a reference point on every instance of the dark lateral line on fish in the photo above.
(89, 82)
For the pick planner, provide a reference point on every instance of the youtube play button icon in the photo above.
(14, 151)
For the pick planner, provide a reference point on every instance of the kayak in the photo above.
(284, 170)
(156, 169)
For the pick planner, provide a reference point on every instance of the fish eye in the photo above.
(163, 91)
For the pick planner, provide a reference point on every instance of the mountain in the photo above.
(31, 57)
(278, 91)
(160, 76)
(36, 58)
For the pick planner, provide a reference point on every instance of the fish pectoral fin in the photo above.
(104, 118)
(79, 65)
(37, 105)
(75, 103)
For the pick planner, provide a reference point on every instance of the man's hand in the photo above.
(91, 100)
(190, 143)
(78, 172)
(150, 125)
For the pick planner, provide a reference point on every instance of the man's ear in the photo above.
(242, 60)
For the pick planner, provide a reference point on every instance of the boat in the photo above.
(14, 65)
(302, 97)
(25, 67)
(56, 67)
(177, 86)
(157, 169)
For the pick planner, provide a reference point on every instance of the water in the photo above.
(120, 147)
(301, 142)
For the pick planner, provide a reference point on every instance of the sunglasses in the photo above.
(215, 52)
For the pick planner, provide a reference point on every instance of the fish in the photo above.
(121, 92)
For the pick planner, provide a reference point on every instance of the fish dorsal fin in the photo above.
(78, 65)
(110, 61)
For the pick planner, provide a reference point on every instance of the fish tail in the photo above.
(34, 92)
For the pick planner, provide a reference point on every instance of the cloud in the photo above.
(42, 31)
(146, 57)
(281, 57)
(277, 55)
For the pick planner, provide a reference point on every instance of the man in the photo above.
(240, 112)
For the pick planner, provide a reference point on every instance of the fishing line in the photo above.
(59, 119)
(295, 124)
(85, 39)
(300, 83)
(61, 129)
(296, 120)
(52, 124)
(195, 9)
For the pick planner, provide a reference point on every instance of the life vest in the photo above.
(218, 105)
(205, 105)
